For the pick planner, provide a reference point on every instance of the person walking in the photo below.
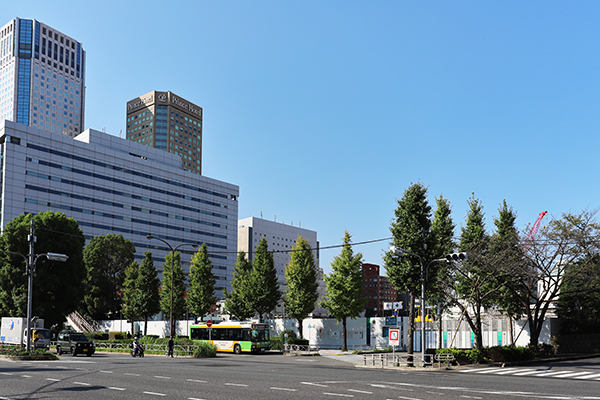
(171, 344)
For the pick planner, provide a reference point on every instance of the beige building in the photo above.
(167, 122)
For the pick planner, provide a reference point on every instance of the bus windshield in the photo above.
(260, 334)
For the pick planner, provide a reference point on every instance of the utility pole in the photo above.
(30, 269)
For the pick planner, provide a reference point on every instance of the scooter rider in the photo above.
(136, 346)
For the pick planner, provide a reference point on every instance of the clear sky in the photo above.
(324, 112)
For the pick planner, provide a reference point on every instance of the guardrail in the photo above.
(444, 358)
(397, 360)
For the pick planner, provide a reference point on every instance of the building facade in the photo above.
(42, 77)
(112, 185)
(167, 122)
(377, 290)
(281, 239)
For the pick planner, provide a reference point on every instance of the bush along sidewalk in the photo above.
(498, 354)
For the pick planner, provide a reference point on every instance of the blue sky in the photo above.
(324, 112)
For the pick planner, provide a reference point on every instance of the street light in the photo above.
(150, 237)
(30, 269)
(398, 251)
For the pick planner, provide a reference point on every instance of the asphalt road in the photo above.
(274, 376)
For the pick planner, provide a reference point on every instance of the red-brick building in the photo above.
(377, 290)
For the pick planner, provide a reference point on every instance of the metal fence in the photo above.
(397, 360)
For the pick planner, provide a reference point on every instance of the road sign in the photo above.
(394, 337)
(214, 307)
(209, 323)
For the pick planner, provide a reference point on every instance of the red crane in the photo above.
(533, 231)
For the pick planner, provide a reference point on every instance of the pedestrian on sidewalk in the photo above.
(170, 345)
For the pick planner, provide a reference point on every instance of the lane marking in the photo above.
(81, 383)
(130, 374)
(154, 393)
(193, 398)
(287, 389)
(106, 372)
(359, 391)
(408, 398)
(236, 384)
(6, 373)
(512, 371)
(162, 377)
(53, 379)
(338, 394)
(313, 384)
(114, 388)
(25, 376)
(196, 380)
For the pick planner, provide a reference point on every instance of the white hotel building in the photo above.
(281, 239)
(113, 185)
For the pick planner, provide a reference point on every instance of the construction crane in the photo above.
(533, 232)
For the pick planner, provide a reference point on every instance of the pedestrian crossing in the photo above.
(539, 372)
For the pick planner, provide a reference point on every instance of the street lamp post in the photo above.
(424, 271)
(150, 237)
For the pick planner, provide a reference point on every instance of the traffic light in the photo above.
(456, 257)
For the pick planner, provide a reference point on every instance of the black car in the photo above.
(74, 343)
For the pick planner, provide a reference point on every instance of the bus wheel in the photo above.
(237, 349)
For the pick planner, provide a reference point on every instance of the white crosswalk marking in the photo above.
(538, 373)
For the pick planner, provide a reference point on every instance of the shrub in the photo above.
(205, 349)
(291, 335)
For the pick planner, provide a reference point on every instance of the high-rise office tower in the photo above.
(166, 121)
(42, 77)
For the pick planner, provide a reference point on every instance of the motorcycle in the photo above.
(139, 352)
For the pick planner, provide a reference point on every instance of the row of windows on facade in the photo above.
(120, 193)
(123, 206)
(135, 173)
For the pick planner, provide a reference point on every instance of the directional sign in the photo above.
(394, 336)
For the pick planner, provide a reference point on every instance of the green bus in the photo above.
(234, 337)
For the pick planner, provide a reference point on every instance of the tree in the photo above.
(201, 295)
(411, 232)
(442, 230)
(344, 287)
(302, 286)
(238, 302)
(506, 241)
(131, 294)
(106, 258)
(264, 285)
(578, 307)
(58, 286)
(560, 254)
(148, 286)
(178, 291)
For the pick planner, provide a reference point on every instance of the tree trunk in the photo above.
(344, 336)
(300, 328)
(146, 326)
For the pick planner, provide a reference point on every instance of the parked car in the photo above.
(74, 343)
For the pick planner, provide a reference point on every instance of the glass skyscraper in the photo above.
(42, 77)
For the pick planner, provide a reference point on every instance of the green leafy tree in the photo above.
(411, 232)
(344, 287)
(106, 257)
(302, 287)
(264, 284)
(201, 295)
(442, 230)
(57, 286)
(148, 286)
(131, 294)
(579, 302)
(178, 292)
(238, 301)
(506, 242)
